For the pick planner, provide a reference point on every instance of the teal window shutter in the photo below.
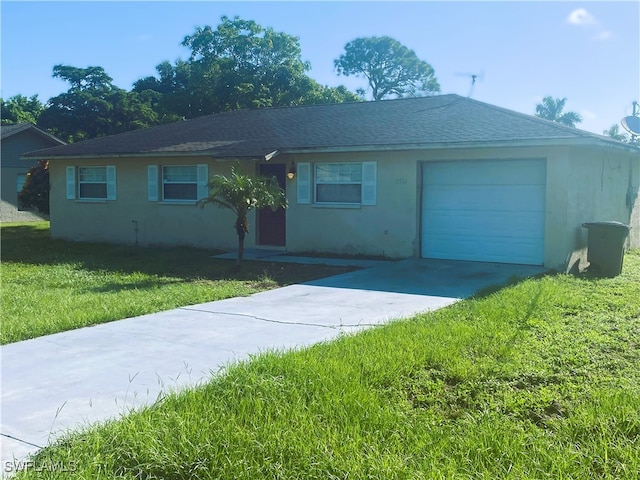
(111, 182)
(369, 183)
(303, 179)
(203, 180)
(71, 183)
(152, 183)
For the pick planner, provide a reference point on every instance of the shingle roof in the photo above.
(446, 120)
(10, 130)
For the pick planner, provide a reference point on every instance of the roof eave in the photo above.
(520, 143)
(202, 154)
(517, 143)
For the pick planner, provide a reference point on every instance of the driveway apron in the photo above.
(70, 380)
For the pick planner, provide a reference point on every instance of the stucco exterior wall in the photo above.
(388, 228)
(132, 218)
(392, 227)
(583, 185)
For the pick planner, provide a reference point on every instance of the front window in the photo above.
(92, 183)
(338, 182)
(180, 183)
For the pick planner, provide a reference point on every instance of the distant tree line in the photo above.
(237, 65)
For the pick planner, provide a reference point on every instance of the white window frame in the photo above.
(170, 182)
(200, 182)
(317, 182)
(74, 182)
(368, 184)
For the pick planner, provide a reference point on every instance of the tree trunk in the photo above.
(241, 230)
(240, 247)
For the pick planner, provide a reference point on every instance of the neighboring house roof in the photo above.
(7, 131)
(422, 122)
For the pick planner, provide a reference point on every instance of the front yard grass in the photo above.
(49, 286)
(538, 380)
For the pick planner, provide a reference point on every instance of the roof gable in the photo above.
(445, 120)
(7, 131)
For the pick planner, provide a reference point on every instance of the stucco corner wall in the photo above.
(587, 185)
(633, 200)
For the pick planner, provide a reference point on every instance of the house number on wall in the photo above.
(401, 181)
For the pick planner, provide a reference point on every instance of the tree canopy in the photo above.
(389, 67)
(94, 107)
(552, 109)
(20, 109)
(237, 65)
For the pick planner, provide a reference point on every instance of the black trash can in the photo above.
(605, 249)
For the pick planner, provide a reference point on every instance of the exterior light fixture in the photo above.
(292, 171)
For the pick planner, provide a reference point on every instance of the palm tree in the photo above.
(551, 109)
(615, 133)
(240, 193)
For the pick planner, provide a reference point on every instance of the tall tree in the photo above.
(176, 93)
(255, 66)
(94, 107)
(20, 109)
(241, 193)
(552, 109)
(389, 67)
(237, 65)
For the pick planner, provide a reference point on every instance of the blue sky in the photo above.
(586, 51)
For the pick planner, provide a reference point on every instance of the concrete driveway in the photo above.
(73, 379)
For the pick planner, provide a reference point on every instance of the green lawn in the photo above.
(538, 380)
(50, 286)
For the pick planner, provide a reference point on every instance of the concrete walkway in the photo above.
(73, 379)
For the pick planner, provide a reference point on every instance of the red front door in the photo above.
(272, 227)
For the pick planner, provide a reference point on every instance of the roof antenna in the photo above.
(475, 77)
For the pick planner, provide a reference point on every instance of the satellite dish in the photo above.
(631, 124)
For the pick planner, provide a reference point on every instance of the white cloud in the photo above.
(580, 16)
(603, 35)
(588, 115)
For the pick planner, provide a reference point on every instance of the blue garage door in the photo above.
(484, 210)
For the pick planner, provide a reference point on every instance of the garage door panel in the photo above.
(489, 224)
(494, 249)
(489, 197)
(476, 172)
(484, 210)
